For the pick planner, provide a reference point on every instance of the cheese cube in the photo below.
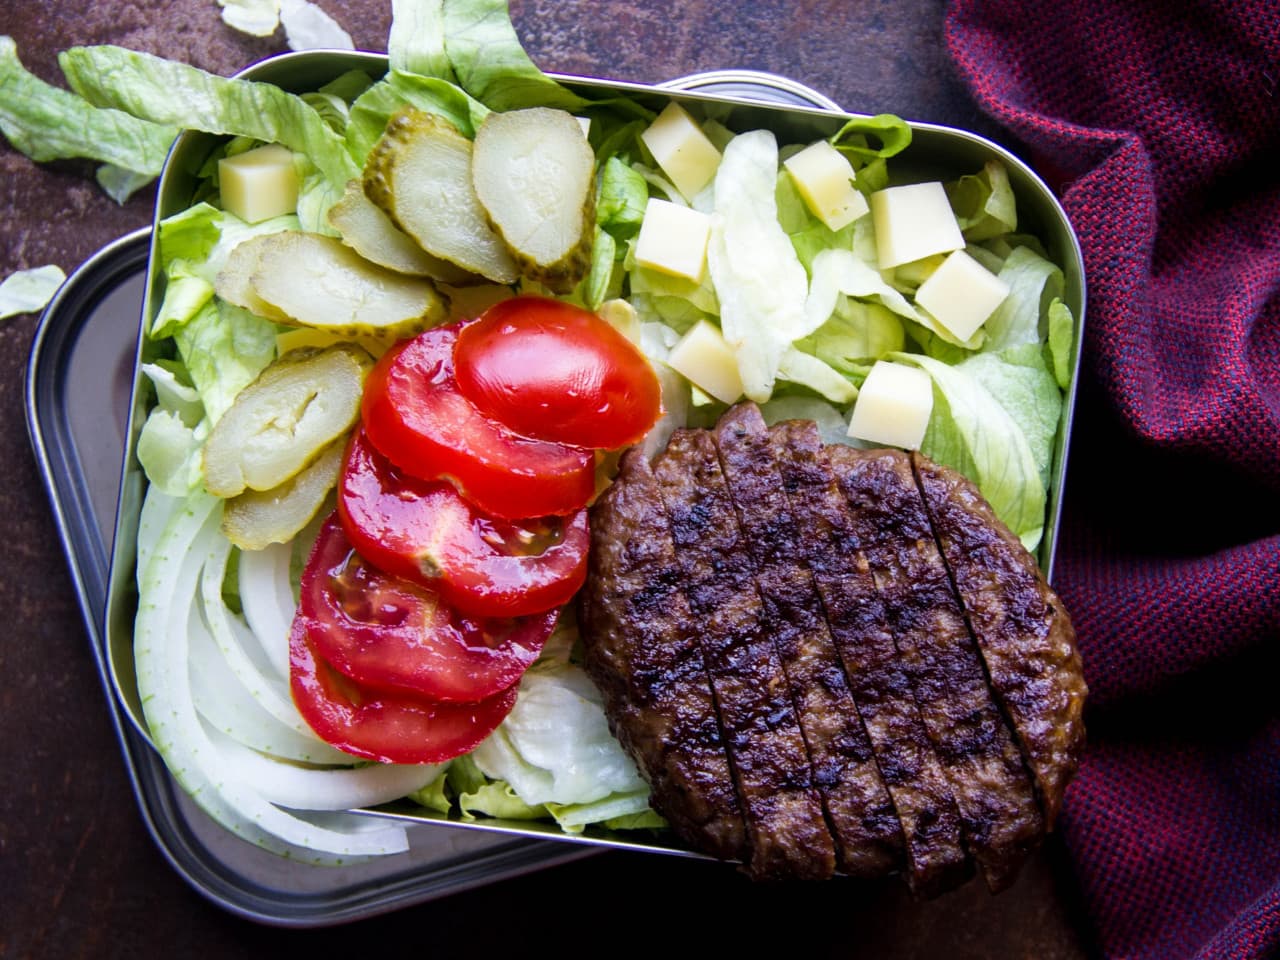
(961, 294)
(706, 360)
(824, 178)
(893, 406)
(673, 239)
(913, 222)
(259, 184)
(682, 150)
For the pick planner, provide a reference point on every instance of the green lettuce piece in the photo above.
(258, 18)
(759, 280)
(972, 432)
(185, 294)
(555, 745)
(857, 332)
(166, 92)
(1062, 341)
(983, 202)
(416, 41)
(498, 799)
(29, 291)
(599, 282)
(464, 776)
(858, 137)
(48, 123)
(224, 349)
(622, 198)
(490, 62)
(373, 108)
(434, 795)
(631, 809)
(172, 393)
(806, 370)
(120, 183)
(1034, 283)
(649, 820)
(170, 452)
(1022, 383)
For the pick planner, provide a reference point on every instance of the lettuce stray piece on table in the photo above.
(47, 123)
(29, 291)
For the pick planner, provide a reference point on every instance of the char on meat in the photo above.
(829, 659)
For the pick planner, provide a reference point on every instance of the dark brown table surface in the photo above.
(79, 875)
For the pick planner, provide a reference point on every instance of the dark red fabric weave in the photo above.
(1159, 125)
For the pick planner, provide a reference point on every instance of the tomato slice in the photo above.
(381, 725)
(390, 634)
(418, 420)
(426, 532)
(553, 371)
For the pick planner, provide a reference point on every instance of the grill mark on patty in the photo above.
(881, 688)
(999, 818)
(786, 831)
(859, 812)
(1025, 637)
(640, 650)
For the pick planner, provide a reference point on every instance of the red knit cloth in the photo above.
(1159, 125)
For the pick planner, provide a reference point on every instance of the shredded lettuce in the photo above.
(1034, 283)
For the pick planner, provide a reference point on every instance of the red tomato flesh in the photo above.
(424, 531)
(554, 371)
(381, 725)
(416, 418)
(389, 634)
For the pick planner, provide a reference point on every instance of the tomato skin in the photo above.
(385, 726)
(391, 635)
(424, 531)
(553, 371)
(416, 417)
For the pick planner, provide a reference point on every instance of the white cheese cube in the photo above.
(585, 124)
(706, 360)
(682, 150)
(893, 406)
(259, 184)
(961, 294)
(913, 222)
(673, 239)
(824, 178)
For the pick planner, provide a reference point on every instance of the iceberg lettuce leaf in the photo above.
(166, 92)
(490, 62)
(48, 123)
(29, 291)
(972, 432)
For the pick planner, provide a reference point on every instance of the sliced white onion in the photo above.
(269, 689)
(226, 705)
(162, 646)
(308, 788)
(267, 598)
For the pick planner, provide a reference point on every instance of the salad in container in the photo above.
(404, 313)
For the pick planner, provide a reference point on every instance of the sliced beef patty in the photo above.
(814, 666)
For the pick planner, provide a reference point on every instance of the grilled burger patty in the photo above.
(824, 658)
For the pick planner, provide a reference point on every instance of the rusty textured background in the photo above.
(78, 873)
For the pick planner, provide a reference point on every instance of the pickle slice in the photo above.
(419, 173)
(533, 171)
(282, 422)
